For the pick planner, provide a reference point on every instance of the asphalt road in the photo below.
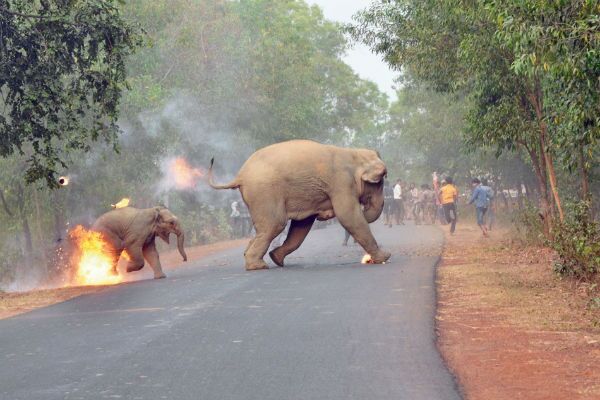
(323, 327)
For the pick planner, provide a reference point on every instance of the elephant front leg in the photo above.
(295, 237)
(351, 217)
(151, 255)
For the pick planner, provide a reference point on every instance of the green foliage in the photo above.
(528, 225)
(577, 242)
(62, 71)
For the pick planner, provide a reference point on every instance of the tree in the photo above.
(499, 54)
(62, 72)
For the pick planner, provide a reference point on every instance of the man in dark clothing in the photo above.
(388, 204)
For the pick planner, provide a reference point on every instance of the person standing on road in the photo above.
(449, 198)
(419, 205)
(429, 204)
(398, 203)
(388, 204)
(481, 198)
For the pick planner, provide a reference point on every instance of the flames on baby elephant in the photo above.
(183, 174)
(92, 259)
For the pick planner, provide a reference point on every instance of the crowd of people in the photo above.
(427, 205)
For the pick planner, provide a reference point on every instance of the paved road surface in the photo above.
(324, 327)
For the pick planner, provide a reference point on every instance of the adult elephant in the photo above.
(134, 230)
(304, 180)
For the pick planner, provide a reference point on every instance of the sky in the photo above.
(366, 64)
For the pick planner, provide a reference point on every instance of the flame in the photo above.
(121, 204)
(63, 180)
(93, 259)
(184, 175)
(366, 259)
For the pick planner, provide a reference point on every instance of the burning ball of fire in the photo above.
(93, 259)
(121, 204)
(63, 180)
(183, 174)
(367, 259)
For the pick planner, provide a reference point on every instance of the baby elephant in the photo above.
(134, 230)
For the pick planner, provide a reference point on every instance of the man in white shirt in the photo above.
(398, 203)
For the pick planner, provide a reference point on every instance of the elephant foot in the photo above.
(256, 266)
(277, 259)
(160, 276)
(380, 257)
(134, 268)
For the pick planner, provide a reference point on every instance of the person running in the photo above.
(449, 198)
(491, 214)
(388, 204)
(481, 198)
(398, 203)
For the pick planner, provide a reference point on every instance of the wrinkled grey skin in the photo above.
(134, 230)
(302, 180)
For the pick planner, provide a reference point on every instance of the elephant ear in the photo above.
(370, 172)
(158, 221)
(374, 172)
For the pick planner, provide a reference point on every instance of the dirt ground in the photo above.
(16, 303)
(509, 328)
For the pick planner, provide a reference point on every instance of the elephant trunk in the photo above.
(180, 240)
(374, 205)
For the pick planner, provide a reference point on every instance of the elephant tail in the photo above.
(231, 185)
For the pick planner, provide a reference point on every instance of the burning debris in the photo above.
(367, 259)
(63, 180)
(93, 259)
(183, 174)
(122, 203)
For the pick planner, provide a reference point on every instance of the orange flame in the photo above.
(184, 175)
(93, 259)
(121, 204)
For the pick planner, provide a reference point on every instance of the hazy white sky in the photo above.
(366, 64)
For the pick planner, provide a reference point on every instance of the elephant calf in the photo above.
(304, 180)
(134, 230)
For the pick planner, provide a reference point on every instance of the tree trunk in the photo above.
(584, 173)
(536, 100)
(25, 225)
(539, 167)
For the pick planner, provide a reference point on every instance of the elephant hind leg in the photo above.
(296, 235)
(136, 258)
(265, 233)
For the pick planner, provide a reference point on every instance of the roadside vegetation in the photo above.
(525, 75)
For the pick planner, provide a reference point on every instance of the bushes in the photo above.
(528, 225)
(577, 243)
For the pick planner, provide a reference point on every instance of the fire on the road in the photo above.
(367, 259)
(184, 175)
(92, 259)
